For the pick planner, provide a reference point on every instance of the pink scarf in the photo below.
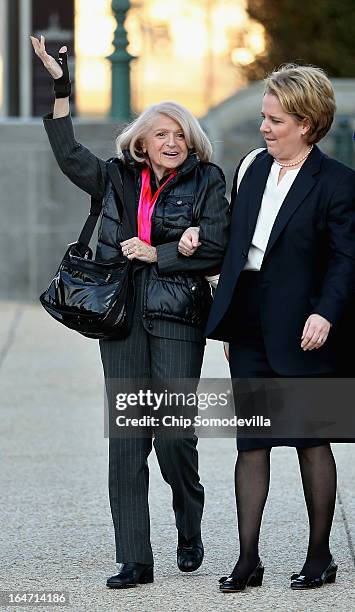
(146, 204)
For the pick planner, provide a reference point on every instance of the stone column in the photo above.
(25, 28)
(120, 59)
(343, 141)
(4, 58)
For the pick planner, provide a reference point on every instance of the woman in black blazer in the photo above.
(285, 282)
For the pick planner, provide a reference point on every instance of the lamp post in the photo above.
(120, 60)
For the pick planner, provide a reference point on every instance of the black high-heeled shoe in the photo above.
(298, 581)
(233, 584)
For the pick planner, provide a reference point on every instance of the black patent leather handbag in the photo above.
(92, 297)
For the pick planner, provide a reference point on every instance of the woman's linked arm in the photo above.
(80, 165)
(213, 234)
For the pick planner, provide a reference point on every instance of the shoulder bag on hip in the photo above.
(91, 297)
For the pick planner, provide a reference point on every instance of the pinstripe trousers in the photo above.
(144, 356)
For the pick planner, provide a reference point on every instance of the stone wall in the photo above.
(41, 210)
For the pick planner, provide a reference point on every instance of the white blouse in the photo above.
(273, 198)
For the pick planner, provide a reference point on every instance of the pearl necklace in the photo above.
(296, 162)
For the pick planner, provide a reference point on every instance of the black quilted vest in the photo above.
(184, 298)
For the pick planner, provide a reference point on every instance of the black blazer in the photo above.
(309, 263)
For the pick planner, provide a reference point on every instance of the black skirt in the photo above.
(248, 361)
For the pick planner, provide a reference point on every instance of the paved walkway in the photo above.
(56, 528)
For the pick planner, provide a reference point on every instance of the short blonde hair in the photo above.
(132, 136)
(305, 92)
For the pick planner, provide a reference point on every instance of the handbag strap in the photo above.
(90, 223)
(247, 161)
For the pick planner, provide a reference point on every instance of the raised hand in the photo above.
(58, 69)
(48, 61)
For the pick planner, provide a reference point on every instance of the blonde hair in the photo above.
(305, 92)
(132, 136)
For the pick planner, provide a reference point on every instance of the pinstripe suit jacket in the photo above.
(89, 172)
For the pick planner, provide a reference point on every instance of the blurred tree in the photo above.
(320, 32)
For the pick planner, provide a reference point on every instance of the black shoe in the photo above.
(233, 584)
(131, 574)
(298, 581)
(189, 553)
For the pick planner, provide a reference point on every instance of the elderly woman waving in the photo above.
(165, 156)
